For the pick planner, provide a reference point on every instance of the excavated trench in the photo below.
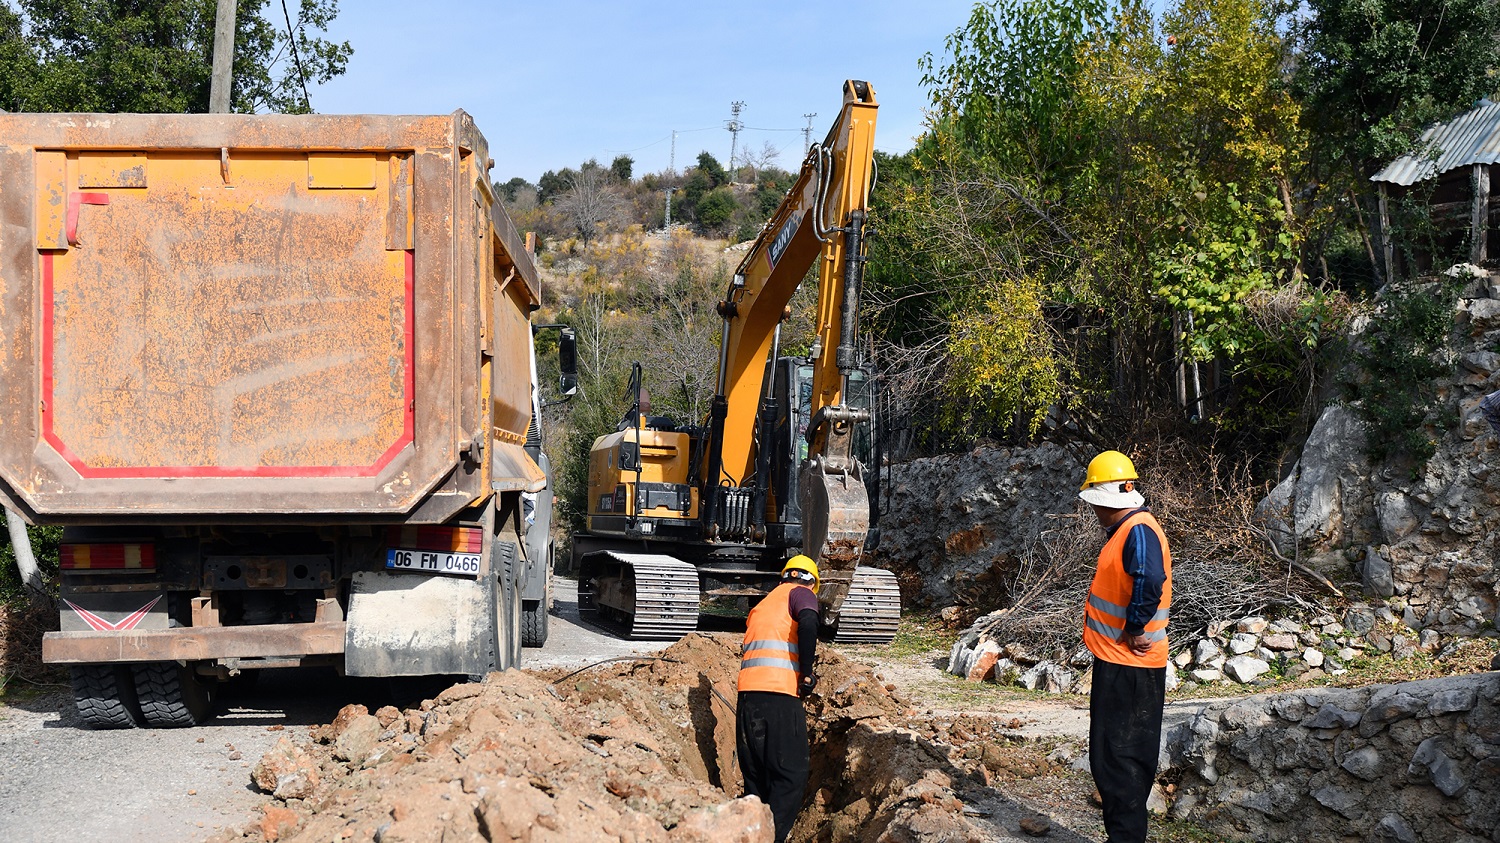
(633, 751)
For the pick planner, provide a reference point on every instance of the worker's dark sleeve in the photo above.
(1490, 409)
(803, 605)
(807, 641)
(1142, 558)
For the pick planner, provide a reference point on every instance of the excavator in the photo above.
(683, 515)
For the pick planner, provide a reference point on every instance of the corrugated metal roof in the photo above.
(1473, 138)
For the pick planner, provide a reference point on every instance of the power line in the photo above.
(296, 56)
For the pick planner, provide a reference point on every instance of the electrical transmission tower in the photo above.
(671, 172)
(807, 132)
(734, 133)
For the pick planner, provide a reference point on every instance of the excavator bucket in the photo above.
(835, 520)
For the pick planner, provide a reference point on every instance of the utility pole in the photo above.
(671, 171)
(223, 69)
(734, 133)
(807, 132)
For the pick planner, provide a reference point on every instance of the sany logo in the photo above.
(100, 624)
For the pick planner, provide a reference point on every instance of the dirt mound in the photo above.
(641, 750)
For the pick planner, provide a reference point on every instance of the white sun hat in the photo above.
(1113, 494)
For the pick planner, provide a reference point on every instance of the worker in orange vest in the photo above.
(776, 670)
(1125, 627)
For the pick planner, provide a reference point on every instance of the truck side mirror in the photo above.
(567, 361)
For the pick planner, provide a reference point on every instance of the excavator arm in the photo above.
(822, 220)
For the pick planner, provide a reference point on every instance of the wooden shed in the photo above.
(1449, 173)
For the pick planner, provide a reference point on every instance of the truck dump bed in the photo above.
(304, 317)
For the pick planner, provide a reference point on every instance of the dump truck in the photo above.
(680, 515)
(274, 375)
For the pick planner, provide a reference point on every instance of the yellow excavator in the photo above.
(682, 514)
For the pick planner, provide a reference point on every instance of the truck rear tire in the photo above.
(105, 694)
(534, 623)
(172, 696)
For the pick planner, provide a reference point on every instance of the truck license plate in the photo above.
(432, 562)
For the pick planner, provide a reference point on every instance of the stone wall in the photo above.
(1417, 762)
(950, 519)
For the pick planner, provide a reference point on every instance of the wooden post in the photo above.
(223, 71)
(1479, 223)
(1387, 248)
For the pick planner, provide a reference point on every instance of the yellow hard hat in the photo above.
(806, 565)
(1107, 467)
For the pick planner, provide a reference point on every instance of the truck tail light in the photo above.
(446, 539)
(105, 557)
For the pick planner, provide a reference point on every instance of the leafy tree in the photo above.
(118, 55)
(715, 209)
(711, 167)
(509, 190)
(1373, 73)
(621, 166)
(551, 184)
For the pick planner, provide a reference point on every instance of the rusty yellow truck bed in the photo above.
(298, 317)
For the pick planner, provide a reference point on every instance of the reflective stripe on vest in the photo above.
(1109, 596)
(768, 660)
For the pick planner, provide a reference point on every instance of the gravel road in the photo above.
(62, 781)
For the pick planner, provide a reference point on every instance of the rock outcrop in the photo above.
(1431, 542)
(953, 519)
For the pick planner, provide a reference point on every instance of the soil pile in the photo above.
(632, 751)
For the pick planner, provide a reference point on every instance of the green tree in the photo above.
(156, 57)
(715, 209)
(621, 167)
(1372, 74)
(711, 167)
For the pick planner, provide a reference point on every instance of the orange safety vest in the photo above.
(1109, 597)
(768, 658)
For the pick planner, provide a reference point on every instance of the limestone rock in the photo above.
(1393, 828)
(1364, 763)
(1242, 643)
(1376, 575)
(1280, 642)
(1313, 657)
(745, 820)
(983, 664)
(357, 740)
(1205, 652)
(1251, 626)
(1047, 676)
(1244, 669)
(286, 772)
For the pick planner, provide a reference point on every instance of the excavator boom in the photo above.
(821, 220)
(682, 513)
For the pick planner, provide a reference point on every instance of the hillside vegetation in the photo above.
(1120, 228)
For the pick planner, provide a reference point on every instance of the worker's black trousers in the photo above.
(771, 733)
(1124, 740)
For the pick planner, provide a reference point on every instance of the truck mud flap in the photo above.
(414, 625)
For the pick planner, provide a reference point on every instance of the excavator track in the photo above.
(872, 610)
(665, 599)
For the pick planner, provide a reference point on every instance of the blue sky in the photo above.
(552, 83)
